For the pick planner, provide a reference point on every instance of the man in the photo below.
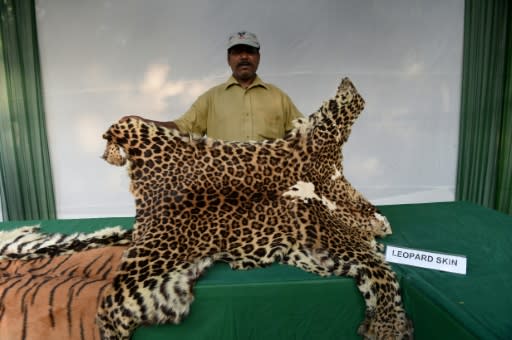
(244, 108)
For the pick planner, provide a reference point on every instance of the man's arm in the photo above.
(292, 113)
(192, 121)
(170, 124)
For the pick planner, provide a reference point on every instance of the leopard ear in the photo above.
(346, 91)
(107, 135)
(113, 154)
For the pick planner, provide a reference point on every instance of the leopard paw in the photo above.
(380, 328)
(380, 225)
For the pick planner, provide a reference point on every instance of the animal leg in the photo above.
(385, 315)
(144, 292)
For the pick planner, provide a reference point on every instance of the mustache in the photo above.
(244, 63)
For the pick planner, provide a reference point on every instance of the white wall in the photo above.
(105, 59)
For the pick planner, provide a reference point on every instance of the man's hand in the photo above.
(134, 117)
(168, 125)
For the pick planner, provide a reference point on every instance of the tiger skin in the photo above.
(200, 200)
(51, 283)
(55, 297)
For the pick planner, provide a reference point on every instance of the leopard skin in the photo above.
(250, 204)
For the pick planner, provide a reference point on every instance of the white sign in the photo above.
(426, 259)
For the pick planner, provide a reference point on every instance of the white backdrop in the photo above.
(105, 59)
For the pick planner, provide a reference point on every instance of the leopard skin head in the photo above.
(113, 154)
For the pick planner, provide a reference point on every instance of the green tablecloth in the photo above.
(481, 301)
(281, 302)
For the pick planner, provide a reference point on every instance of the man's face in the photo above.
(244, 61)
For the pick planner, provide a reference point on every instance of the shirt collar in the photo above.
(257, 82)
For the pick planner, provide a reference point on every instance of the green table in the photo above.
(478, 304)
(281, 302)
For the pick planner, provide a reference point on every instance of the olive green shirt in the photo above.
(232, 113)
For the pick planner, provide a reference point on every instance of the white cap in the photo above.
(243, 38)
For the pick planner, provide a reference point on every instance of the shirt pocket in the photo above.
(269, 119)
(270, 124)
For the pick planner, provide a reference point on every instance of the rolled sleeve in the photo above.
(195, 119)
(292, 113)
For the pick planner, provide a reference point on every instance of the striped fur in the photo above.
(28, 243)
(51, 284)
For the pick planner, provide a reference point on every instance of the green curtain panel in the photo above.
(26, 182)
(504, 187)
(485, 158)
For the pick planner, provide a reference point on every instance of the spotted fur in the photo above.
(250, 204)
